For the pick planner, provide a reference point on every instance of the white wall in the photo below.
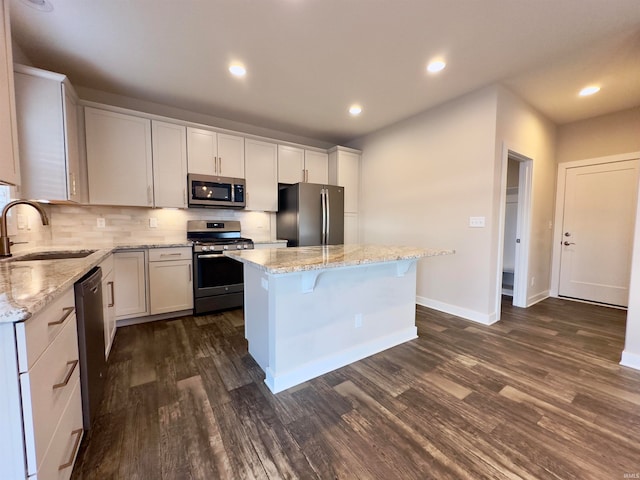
(525, 131)
(422, 179)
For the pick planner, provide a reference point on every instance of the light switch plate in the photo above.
(477, 222)
(153, 222)
(101, 223)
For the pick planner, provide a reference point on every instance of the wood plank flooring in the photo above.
(539, 395)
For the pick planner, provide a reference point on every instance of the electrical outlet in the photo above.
(477, 222)
(533, 281)
(358, 320)
(22, 221)
(101, 223)
(153, 222)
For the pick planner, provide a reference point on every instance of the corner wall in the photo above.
(523, 130)
(422, 179)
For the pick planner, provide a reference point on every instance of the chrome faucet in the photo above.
(5, 243)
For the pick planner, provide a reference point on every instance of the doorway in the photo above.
(597, 206)
(516, 208)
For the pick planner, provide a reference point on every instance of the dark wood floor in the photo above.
(539, 395)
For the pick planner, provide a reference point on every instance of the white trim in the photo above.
(521, 273)
(324, 365)
(483, 318)
(559, 213)
(125, 322)
(538, 297)
(631, 360)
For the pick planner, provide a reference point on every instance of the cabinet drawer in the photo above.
(36, 333)
(172, 253)
(46, 390)
(58, 461)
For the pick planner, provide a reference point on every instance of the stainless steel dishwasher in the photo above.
(93, 366)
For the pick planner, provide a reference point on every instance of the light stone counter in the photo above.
(26, 287)
(300, 259)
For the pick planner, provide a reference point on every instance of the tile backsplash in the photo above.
(77, 225)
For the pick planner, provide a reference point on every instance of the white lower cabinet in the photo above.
(130, 272)
(108, 303)
(41, 386)
(170, 279)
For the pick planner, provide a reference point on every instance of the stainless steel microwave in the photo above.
(212, 191)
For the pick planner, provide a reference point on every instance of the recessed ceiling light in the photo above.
(355, 110)
(42, 5)
(238, 70)
(586, 91)
(436, 66)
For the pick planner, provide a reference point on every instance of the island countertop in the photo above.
(301, 259)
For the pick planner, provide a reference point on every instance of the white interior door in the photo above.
(597, 236)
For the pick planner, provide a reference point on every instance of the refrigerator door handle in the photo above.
(323, 200)
(328, 229)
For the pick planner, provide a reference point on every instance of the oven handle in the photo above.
(210, 255)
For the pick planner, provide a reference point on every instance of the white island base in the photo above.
(301, 325)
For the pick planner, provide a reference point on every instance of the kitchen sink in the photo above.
(53, 255)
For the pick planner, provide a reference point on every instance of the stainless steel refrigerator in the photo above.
(311, 214)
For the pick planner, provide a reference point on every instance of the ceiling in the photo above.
(308, 60)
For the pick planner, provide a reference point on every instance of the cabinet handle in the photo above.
(74, 450)
(220, 165)
(184, 196)
(113, 294)
(149, 195)
(215, 165)
(73, 364)
(72, 181)
(170, 254)
(190, 276)
(67, 311)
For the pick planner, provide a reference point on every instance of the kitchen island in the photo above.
(310, 310)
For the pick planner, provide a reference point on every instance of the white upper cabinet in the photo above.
(290, 164)
(262, 175)
(344, 170)
(169, 164)
(47, 114)
(212, 153)
(299, 165)
(119, 158)
(9, 170)
(317, 166)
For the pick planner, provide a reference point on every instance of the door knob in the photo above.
(567, 234)
(566, 244)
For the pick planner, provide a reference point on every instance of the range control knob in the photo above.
(225, 247)
(246, 246)
(239, 247)
(205, 249)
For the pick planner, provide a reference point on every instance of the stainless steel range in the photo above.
(218, 280)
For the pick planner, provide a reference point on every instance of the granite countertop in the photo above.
(26, 287)
(300, 259)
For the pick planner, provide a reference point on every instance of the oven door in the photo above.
(215, 274)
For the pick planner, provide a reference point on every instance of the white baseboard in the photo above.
(282, 381)
(631, 360)
(483, 318)
(538, 297)
(152, 318)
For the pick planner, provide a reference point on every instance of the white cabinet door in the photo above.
(9, 171)
(119, 158)
(290, 164)
(169, 164)
(211, 153)
(202, 151)
(262, 175)
(108, 303)
(130, 284)
(344, 170)
(170, 286)
(230, 156)
(317, 166)
(47, 116)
